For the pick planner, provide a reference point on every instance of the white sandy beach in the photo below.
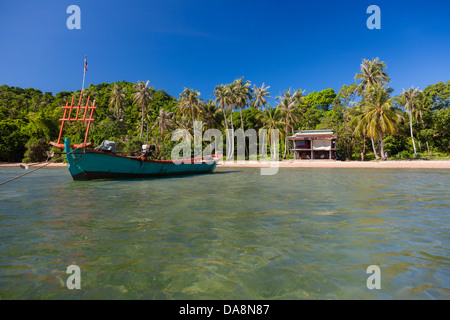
(405, 164)
(401, 164)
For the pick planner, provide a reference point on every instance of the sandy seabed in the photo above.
(406, 164)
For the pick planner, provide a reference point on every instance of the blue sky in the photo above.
(312, 45)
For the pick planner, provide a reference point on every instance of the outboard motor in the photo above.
(147, 150)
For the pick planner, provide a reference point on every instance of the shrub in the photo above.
(37, 150)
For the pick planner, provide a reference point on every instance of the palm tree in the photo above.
(379, 117)
(423, 105)
(232, 101)
(288, 105)
(271, 118)
(372, 73)
(411, 97)
(209, 113)
(260, 95)
(189, 103)
(117, 100)
(222, 99)
(164, 122)
(142, 97)
(242, 94)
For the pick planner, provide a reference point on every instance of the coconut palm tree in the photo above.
(288, 106)
(209, 113)
(232, 101)
(410, 101)
(271, 118)
(372, 73)
(222, 99)
(423, 105)
(164, 122)
(242, 94)
(189, 103)
(117, 99)
(260, 95)
(142, 96)
(362, 130)
(379, 117)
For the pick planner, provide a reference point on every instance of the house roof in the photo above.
(313, 133)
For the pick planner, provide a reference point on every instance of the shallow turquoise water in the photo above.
(234, 234)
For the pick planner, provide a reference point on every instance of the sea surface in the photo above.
(303, 233)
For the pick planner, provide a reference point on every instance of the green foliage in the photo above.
(440, 132)
(321, 100)
(403, 155)
(105, 130)
(395, 144)
(439, 93)
(36, 149)
(12, 141)
(29, 118)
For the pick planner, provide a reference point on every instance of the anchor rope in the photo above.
(48, 162)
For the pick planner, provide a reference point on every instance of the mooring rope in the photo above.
(4, 182)
(48, 162)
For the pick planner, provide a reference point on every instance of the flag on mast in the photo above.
(85, 64)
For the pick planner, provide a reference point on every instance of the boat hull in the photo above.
(86, 164)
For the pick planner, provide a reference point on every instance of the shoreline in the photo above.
(390, 164)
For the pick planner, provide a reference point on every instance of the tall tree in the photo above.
(423, 105)
(411, 97)
(222, 99)
(372, 73)
(272, 120)
(372, 76)
(260, 95)
(242, 94)
(189, 103)
(288, 106)
(379, 117)
(142, 97)
(164, 122)
(117, 99)
(209, 114)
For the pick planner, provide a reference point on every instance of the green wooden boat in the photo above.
(87, 163)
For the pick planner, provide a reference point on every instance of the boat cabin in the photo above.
(314, 144)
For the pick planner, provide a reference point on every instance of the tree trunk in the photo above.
(412, 136)
(142, 123)
(242, 127)
(374, 150)
(147, 131)
(225, 117)
(383, 155)
(285, 142)
(231, 151)
(364, 146)
(242, 122)
(226, 128)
